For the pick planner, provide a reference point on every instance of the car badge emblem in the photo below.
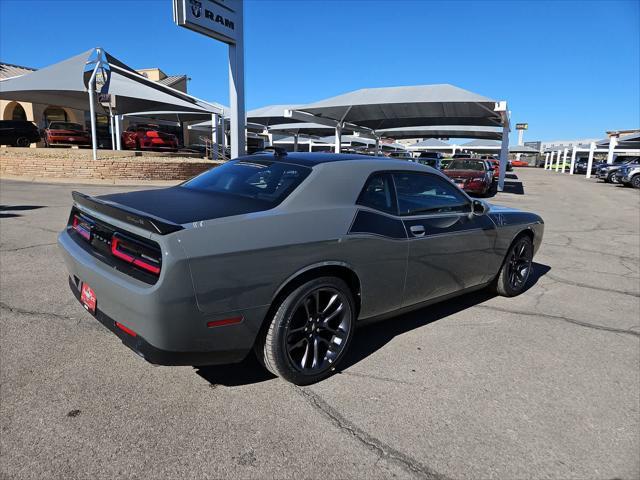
(196, 8)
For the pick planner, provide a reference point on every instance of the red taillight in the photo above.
(225, 321)
(115, 242)
(146, 266)
(134, 253)
(82, 228)
(126, 329)
(151, 134)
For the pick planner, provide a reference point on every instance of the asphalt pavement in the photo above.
(544, 385)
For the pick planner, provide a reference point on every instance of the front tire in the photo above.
(611, 178)
(22, 142)
(310, 332)
(516, 268)
(635, 181)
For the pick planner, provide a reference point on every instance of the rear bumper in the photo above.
(170, 330)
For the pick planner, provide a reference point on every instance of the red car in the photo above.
(148, 137)
(520, 163)
(66, 133)
(472, 175)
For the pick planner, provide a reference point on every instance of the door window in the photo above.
(420, 193)
(378, 193)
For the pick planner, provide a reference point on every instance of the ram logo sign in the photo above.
(218, 19)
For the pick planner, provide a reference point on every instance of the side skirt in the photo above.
(418, 306)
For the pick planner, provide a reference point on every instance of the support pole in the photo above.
(113, 129)
(118, 121)
(546, 160)
(504, 156)
(558, 160)
(338, 137)
(573, 160)
(92, 111)
(613, 141)
(592, 148)
(564, 159)
(236, 90)
(214, 136)
(295, 142)
(377, 146)
(223, 137)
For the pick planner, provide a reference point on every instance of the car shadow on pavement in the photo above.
(244, 373)
(7, 211)
(372, 337)
(367, 340)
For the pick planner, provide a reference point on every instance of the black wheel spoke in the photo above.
(317, 334)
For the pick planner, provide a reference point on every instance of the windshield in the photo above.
(65, 126)
(466, 165)
(268, 181)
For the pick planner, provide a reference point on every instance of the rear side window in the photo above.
(378, 193)
(420, 193)
(270, 182)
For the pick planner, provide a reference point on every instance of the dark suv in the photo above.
(18, 133)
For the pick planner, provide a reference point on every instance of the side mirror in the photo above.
(479, 208)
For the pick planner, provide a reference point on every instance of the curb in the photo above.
(91, 181)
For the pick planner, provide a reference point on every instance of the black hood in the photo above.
(185, 205)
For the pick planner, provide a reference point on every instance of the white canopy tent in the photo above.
(77, 82)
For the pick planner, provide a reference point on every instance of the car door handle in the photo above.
(417, 230)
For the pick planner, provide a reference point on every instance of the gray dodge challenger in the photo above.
(284, 254)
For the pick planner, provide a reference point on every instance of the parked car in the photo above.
(445, 162)
(582, 164)
(401, 155)
(472, 175)
(431, 159)
(272, 253)
(65, 134)
(607, 171)
(18, 133)
(148, 137)
(519, 163)
(461, 155)
(629, 175)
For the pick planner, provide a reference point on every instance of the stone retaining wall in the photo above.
(78, 164)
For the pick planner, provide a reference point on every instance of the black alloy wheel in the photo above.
(310, 331)
(22, 142)
(516, 269)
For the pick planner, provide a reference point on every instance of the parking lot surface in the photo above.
(544, 385)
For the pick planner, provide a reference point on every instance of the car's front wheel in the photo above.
(611, 178)
(310, 331)
(22, 142)
(635, 181)
(516, 268)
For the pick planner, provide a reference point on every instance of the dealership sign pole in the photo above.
(222, 20)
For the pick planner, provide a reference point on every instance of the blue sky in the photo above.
(571, 69)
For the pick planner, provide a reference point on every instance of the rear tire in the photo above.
(22, 142)
(310, 331)
(516, 268)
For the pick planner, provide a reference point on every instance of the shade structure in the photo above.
(522, 149)
(481, 145)
(304, 128)
(396, 107)
(443, 131)
(66, 84)
(631, 141)
(430, 143)
(271, 115)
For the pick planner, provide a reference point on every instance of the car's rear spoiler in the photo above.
(126, 214)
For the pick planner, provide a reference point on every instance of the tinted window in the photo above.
(378, 193)
(65, 126)
(461, 164)
(260, 180)
(423, 193)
